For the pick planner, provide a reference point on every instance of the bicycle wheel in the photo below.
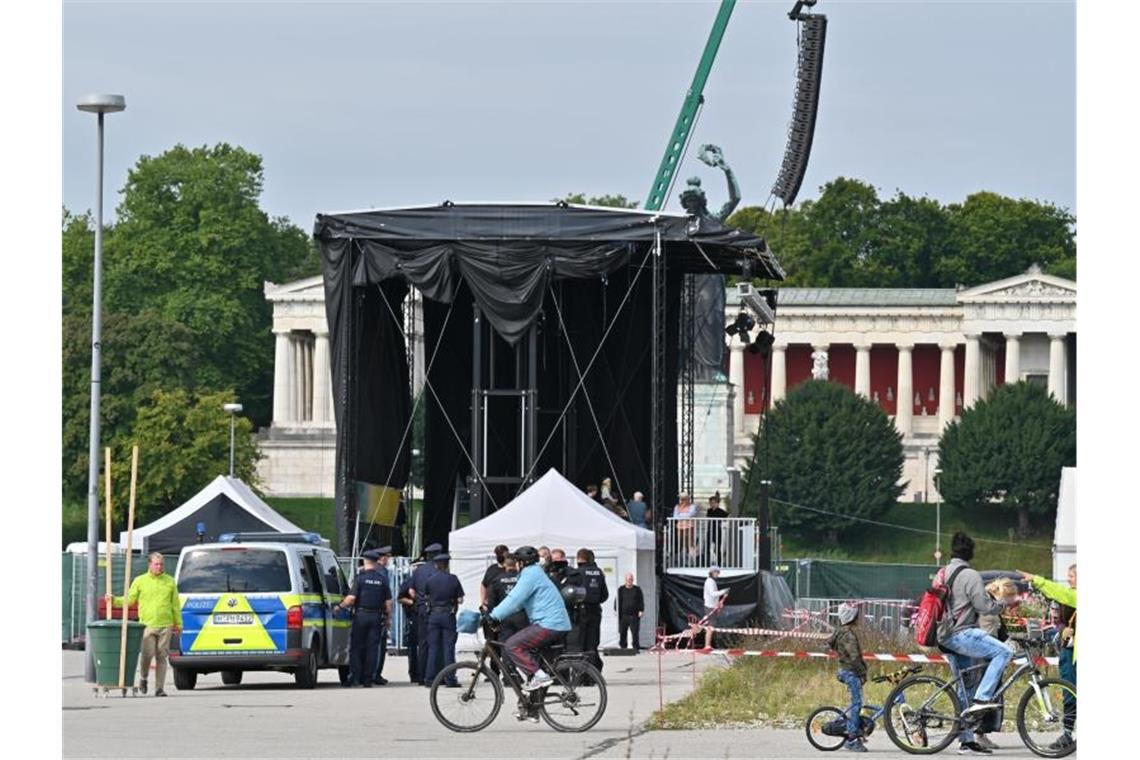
(474, 704)
(1047, 721)
(922, 715)
(577, 698)
(814, 728)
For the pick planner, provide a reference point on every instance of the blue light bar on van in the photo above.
(281, 538)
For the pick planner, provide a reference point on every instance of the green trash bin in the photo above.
(104, 636)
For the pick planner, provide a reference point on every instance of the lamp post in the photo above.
(98, 104)
(233, 409)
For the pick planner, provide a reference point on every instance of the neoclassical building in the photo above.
(923, 355)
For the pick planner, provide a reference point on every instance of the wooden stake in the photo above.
(127, 569)
(107, 490)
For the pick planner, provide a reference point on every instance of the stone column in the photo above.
(281, 374)
(904, 397)
(295, 392)
(1012, 358)
(1057, 367)
(736, 377)
(321, 377)
(779, 373)
(946, 386)
(973, 374)
(863, 369)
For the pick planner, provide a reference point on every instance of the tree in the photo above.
(1007, 452)
(826, 448)
(616, 201)
(184, 443)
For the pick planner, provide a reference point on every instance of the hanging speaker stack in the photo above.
(809, 71)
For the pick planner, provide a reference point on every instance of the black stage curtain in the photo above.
(683, 595)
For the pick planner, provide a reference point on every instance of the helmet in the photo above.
(848, 612)
(573, 595)
(527, 555)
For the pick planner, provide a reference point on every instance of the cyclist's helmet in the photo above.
(847, 612)
(527, 555)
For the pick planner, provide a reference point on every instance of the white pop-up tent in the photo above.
(554, 513)
(1065, 531)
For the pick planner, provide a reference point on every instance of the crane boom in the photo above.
(679, 138)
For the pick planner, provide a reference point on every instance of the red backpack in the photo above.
(932, 608)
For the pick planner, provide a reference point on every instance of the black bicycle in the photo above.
(575, 701)
(924, 713)
(826, 727)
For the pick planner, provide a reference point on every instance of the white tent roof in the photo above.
(555, 509)
(235, 489)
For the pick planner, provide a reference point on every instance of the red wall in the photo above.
(884, 374)
(999, 357)
(754, 370)
(959, 375)
(926, 361)
(841, 364)
(798, 363)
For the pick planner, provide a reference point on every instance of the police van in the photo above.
(260, 601)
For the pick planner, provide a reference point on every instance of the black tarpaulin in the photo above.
(512, 262)
(683, 596)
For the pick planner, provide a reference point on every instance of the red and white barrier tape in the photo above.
(876, 657)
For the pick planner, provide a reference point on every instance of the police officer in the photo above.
(371, 600)
(593, 579)
(419, 594)
(501, 586)
(385, 556)
(406, 598)
(444, 595)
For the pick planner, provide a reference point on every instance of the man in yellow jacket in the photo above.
(160, 611)
(1066, 597)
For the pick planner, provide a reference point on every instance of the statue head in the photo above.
(693, 199)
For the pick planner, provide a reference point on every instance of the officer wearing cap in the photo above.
(419, 594)
(444, 595)
(384, 556)
(371, 600)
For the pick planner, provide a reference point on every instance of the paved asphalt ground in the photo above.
(266, 717)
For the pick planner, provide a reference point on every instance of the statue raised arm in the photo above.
(713, 156)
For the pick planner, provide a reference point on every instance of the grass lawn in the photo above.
(990, 529)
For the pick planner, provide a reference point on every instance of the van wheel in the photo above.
(231, 677)
(185, 680)
(306, 673)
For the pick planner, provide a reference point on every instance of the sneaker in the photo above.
(980, 705)
(537, 682)
(159, 693)
(524, 714)
(973, 748)
(142, 686)
(1064, 742)
(854, 745)
(984, 741)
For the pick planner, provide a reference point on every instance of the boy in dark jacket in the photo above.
(852, 670)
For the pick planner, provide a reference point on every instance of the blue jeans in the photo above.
(855, 686)
(1068, 670)
(970, 647)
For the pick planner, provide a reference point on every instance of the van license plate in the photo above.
(233, 618)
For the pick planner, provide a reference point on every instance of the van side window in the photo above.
(334, 579)
(310, 576)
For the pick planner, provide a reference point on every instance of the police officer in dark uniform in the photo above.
(406, 599)
(593, 579)
(503, 584)
(371, 600)
(419, 593)
(385, 555)
(444, 595)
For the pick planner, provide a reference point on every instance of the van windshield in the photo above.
(241, 569)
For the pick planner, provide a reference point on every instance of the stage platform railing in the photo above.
(698, 543)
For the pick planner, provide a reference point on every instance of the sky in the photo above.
(356, 105)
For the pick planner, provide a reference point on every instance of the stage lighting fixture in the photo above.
(762, 303)
(741, 326)
(763, 343)
(809, 71)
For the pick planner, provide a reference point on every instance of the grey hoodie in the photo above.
(968, 599)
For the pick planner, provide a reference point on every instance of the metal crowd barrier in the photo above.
(730, 543)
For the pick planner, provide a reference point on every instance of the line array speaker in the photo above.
(809, 71)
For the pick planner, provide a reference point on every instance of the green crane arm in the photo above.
(679, 138)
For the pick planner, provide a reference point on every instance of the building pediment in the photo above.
(1032, 286)
(308, 289)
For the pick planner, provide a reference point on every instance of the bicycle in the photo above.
(574, 702)
(826, 727)
(929, 714)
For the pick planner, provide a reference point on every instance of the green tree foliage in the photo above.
(825, 447)
(850, 237)
(615, 201)
(1007, 452)
(184, 443)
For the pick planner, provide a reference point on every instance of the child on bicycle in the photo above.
(852, 670)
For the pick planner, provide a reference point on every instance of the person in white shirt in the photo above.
(714, 600)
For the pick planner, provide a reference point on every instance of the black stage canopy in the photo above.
(579, 275)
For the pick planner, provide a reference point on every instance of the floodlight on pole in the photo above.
(233, 409)
(98, 104)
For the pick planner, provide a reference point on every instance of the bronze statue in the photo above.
(708, 309)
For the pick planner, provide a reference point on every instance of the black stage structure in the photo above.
(550, 336)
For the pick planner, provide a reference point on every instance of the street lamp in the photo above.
(98, 104)
(233, 409)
